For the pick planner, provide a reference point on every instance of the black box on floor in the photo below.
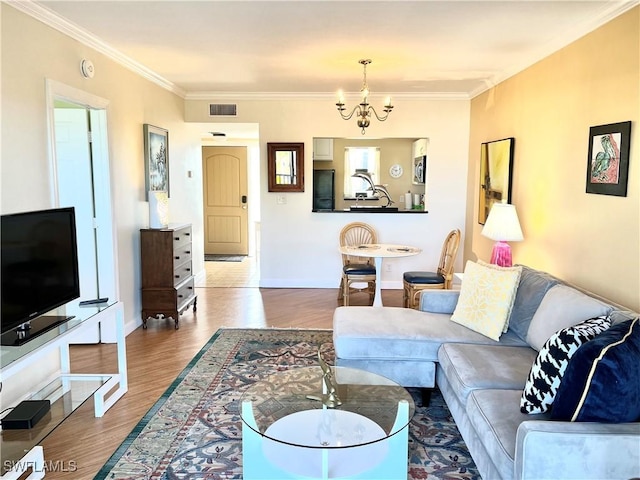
(26, 414)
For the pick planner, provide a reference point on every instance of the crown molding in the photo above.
(275, 96)
(55, 21)
(608, 12)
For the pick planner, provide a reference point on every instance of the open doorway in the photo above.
(80, 175)
(231, 196)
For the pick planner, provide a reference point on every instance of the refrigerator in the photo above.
(324, 190)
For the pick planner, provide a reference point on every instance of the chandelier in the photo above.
(363, 109)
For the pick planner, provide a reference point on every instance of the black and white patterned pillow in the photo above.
(552, 360)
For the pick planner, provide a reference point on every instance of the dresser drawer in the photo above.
(181, 273)
(186, 292)
(181, 237)
(181, 255)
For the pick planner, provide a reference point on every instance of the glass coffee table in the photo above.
(288, 432)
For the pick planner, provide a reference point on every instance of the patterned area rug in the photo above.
(194, 430)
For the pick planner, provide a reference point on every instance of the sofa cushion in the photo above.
(473, 367)
(439, 301)
(497, 267)
(532, 287)
(400, 333)
(550, 364)
(602, 381)
(486, 298)
(495, 416)
(562, 307)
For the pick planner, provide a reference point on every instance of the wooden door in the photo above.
(224, 173)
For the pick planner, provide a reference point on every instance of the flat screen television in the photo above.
(39, 271)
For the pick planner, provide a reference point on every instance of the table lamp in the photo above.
(502, 225)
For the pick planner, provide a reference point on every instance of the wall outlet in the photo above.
(388, 267)
(281, 200)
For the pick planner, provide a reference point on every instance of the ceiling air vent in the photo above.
(224, 109)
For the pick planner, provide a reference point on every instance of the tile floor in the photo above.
(231, 274)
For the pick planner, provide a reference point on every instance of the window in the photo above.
(360, 159)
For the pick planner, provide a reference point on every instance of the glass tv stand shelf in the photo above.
(19, 449)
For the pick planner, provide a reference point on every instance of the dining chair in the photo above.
(357, 269)
(442, 278)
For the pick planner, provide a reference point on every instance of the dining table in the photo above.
(379, 251)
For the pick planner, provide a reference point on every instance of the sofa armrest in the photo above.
(549, 449)
(438, 301)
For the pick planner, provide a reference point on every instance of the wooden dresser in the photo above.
(167, 273)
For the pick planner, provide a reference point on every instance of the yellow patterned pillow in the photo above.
(497, 267)
(486, 298)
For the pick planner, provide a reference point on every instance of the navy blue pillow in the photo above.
(602, 380)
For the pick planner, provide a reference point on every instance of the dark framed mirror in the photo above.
(496, 175)
(285, 166)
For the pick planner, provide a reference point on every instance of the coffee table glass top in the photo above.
(283, 408)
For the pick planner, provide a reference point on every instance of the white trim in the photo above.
(608, 12)
(321, 95)
(61, 24)
(59, 91)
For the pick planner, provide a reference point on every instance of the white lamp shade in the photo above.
(502, 224)
(158, 209)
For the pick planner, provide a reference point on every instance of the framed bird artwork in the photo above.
(608, 162)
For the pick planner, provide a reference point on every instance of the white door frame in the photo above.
(105, 212)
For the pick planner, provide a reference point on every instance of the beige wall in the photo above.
(590, 240)
(299, 247)
(32, 53)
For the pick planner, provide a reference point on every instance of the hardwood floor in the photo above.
(82, 444)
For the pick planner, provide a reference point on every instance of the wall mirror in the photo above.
(285, 166)
(496, 174)
(388, 161)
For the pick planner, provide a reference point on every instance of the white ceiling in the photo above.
(418, 48)
(263, 49)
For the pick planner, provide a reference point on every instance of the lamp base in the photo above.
(501, 254)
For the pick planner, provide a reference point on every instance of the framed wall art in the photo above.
(608, 161)
(156, 159)
(496, 175)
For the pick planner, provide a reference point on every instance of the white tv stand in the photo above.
(66, 392)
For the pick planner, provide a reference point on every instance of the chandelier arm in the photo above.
(348, 117)
(387, 110)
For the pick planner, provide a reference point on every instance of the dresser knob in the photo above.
(177, 239)
(177, 258)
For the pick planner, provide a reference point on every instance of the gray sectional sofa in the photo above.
(482, 380)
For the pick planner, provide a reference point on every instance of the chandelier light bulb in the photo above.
(363, 110)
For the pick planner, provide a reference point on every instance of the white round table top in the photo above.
(380, 250)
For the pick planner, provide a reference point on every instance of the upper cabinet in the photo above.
(323, 149)
(420, 147)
